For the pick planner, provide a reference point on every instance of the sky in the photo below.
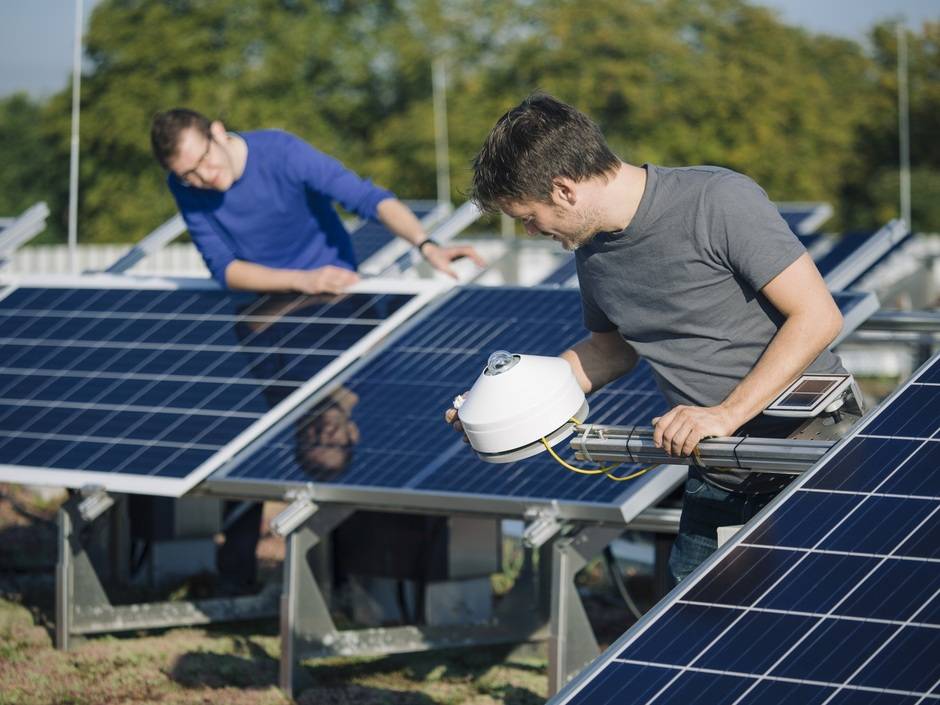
(36, 36)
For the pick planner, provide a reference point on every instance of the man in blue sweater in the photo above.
(259, 206)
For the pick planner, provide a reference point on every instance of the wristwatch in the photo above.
(426, 241)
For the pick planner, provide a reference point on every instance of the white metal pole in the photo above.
(73, 159)
(439, 83)
(904, 127)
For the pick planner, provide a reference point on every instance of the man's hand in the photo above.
(450, 416)
(441, 257)
(325, 280)
(679, 431)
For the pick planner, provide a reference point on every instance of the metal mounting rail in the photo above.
(634, 444)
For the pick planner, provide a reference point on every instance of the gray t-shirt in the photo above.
(682, 282)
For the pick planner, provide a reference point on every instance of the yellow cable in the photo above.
(631, 476)
(606, 471)
(582, 471)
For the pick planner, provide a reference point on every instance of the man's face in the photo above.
(570, 225)
(203, 161)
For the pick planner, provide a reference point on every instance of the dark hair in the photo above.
(166, 128)
(540, 139)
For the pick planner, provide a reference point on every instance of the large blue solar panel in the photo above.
(831, 595)
(397, 400)
(139, 389)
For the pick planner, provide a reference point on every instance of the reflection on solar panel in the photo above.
(138, 390)
(397, 399)
(831, 596)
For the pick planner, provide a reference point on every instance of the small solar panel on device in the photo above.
(141, 389)
(405, 454)
(832, 594)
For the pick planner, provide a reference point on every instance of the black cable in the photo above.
(617, 579)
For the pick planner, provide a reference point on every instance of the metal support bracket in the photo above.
(308, 629)
(95, 503)
(296, 514)
(543, 524)
(572, 644)
(83, 606)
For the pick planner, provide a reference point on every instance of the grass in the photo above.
(236, 664)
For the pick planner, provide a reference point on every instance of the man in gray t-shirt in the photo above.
(693, 269)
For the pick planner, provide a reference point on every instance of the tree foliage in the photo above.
(674, 82)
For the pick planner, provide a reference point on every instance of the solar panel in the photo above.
(830, 595)
(855, 254)
(143, 386)
(407, 457)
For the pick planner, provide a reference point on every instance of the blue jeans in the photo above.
(705, 507)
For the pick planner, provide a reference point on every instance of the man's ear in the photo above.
(564, 191)
(217, 129)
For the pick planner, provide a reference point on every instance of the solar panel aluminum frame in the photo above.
(601, 662)
(654, 485)
(817, 213)
(424, 291)
(857, 263)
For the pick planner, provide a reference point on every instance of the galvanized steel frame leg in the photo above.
(305, 616)
(572, 644)
(78, 586)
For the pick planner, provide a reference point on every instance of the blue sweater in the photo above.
(280, 212)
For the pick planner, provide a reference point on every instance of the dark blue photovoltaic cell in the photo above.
(785, 692)
(920, 476)
(733, 585)
(816, 582)
(859, 604)
(623, 681)
(830, 652)
(911, 584)
(860, 466)
(878, 525)
(807, 517)
(372, 236)
(704, 688)
(154, 382)
(913, 415)
(735, 652)
(400, 396)
(686, 631)
(794, 219)
(925, 540)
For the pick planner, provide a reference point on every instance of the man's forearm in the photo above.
(600, 359)
(398, 218)
(249, 276)
(799, 341)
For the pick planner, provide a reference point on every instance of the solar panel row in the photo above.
(400, 395)
(832, 596)
(100, 383)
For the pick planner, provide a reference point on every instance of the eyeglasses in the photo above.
(192, 177)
